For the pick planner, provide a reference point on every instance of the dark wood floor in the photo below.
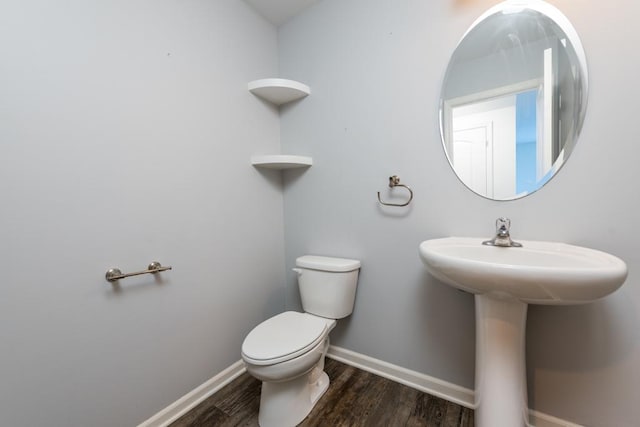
(354, 398)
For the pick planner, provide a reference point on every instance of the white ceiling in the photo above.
(280, 11)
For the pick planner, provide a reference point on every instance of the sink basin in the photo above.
(505, 281)
(537, 273)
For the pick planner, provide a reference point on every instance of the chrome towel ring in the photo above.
(394, 181)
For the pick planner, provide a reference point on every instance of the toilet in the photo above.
(287, 351)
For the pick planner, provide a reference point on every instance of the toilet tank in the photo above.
(327, 285)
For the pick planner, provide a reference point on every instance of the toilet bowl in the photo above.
(289, 366)
(287, 351)
(286, 346)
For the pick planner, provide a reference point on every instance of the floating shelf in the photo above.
(281, 161)
(279, 91)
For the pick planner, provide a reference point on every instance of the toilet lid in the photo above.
(283, 337)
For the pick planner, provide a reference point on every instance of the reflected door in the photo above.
(472, 157)
(484, 135)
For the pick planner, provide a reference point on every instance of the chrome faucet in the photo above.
(502, 237)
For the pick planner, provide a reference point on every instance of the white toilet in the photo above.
(286, 352)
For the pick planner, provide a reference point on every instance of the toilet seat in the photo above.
(283, 337)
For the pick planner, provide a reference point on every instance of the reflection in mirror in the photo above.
(513, 99)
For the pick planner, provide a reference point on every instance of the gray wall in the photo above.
(126, 131)
(375, 68)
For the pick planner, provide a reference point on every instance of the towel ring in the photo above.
(394, 181)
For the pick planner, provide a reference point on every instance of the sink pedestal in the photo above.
(504, 281)
(501, 387)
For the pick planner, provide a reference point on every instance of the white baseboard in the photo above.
(194, 397)
(434, 386)
(538, 419)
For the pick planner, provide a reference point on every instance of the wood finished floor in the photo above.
(354, 398)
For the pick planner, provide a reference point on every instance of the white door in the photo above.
(473, 157)
(494, 145)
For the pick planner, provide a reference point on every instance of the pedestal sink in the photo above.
(505, 280)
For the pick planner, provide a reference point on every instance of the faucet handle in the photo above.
(503, 224)
(502, 237)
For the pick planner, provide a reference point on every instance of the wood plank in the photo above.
(355, 398)
(361, 394)
(241, 395)
(202, 415)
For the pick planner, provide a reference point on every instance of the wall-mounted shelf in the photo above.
(281, 161)
(279, 91)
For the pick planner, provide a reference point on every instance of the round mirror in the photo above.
(513, 99)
